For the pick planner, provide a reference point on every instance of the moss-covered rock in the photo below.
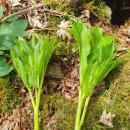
(99, 9)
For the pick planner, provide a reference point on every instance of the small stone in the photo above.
(54, 71)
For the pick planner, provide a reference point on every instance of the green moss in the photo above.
(57, 113)
(62, 5)
(115, 100)
(8, 96)
(66, 49)
(54, 21)
(99, 9)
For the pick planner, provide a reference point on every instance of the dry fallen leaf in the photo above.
(2, 2)
(6, 5)
(85, 13)
(74, 73)
(34, 22)
(18, 119)
(14, 2)
(62, 33)
(106, 119)
(65, 24)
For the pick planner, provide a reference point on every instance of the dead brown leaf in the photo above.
(106, 118)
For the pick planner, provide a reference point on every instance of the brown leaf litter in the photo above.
(17, 120)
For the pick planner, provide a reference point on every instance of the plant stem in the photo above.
(79, 110)
(84, 111)
(32, 98)
(36, 104)
(39, 96)
(36, 121)
(36, 109)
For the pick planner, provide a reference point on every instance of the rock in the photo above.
(120, 10)
(55, 71)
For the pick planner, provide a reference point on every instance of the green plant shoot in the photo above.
(30, 60)
(97, 59)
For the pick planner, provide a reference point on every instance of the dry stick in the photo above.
(125, 8)
(56, 12)
(35, 7)
(52, 29)
(22, 11)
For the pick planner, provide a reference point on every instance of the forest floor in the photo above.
(60, 91)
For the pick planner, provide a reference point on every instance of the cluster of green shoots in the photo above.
(30, 59)
(97, 59)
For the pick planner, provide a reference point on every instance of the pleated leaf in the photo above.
(97, 55)
(31, 58)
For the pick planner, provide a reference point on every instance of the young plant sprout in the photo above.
(97, 59)
(30, 60)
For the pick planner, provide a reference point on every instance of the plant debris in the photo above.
(106, 119)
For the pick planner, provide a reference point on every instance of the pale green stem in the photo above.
(39, 95)
(32, 98)
(36, 121)
(36, 110)
(36, 93)
(36, 104)
(79, 110)
(84, 111)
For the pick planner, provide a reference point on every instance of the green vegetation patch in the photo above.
(61, 5)
(8, 96)
(57, 113)
(99, 9)
(115, 100)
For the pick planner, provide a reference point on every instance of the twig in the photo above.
(22, 11)
(52, 29)
(35, 7)
(59, 13)
(125, 8)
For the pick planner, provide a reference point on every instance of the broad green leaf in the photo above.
(10, 30)
(1, 52)
(4, 67)
(14, 28)
(11, 19)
